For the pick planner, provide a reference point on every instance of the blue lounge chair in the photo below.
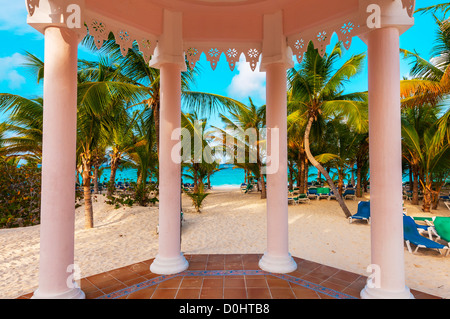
(412, 236)
(363, 212)
(312, 193)
(332, 196)
(349, 193)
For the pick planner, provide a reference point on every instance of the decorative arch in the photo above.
(100, 28)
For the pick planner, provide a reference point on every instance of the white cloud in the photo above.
(8, 72)
(13, 17)
(247, 83)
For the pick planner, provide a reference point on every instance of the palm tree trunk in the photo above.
(263, 182)
(358, 180)
(303, 175)
(156, 117)
(434, 199)
(95, 179)
(88, 211)
(112, 178)
(426, 206)
(306, 174)
(340, 183)
(291, 175)
(415, 187)
(410, 178)
(322, 170)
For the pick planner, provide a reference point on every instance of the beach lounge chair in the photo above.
(363, 212)
(243, 187)
(442, 227)
(349, 193)
(428, 228)
(323, 192)
(411, 236)
(332, 196)
(312, 193)
(292, 198)
(249, 188)
(439, 226)
(447, 204)
(302, 198)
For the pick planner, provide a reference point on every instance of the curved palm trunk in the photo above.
(322, 170)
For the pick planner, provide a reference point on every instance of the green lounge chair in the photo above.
(442, 227)
(412, 236)
(323, 192)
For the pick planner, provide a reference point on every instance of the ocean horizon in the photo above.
(227, 176)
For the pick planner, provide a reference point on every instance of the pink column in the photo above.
(385, 167)
(58, 166)
(277, 258)
(169, 259)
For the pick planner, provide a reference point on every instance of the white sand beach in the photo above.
(230, 222)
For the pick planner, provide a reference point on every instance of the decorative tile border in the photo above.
(152, 282)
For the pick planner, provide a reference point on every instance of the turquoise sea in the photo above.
(227, 176)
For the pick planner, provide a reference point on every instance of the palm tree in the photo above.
(443, 7)
(252, 118)
(430, 82)
(137, 70)
(427, 151)
(118, 130)
(24, 126)
(102, 90)
(296, 147)
(316, 87)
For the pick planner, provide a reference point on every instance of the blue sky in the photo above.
(17, 37)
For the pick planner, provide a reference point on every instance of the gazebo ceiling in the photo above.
(216, 27)
(223, 20)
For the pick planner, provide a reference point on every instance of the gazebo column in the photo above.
(58, 166)
(387, 243)
(169, 58)
(276, 59)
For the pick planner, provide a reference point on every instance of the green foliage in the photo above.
(198, 197)
(20, 195)
(121, 199)
(136, 194)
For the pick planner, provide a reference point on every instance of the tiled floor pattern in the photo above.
(226, 277)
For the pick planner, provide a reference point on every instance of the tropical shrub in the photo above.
(198, 197)
(20, 195)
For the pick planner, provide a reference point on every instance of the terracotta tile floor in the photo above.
(226, 277)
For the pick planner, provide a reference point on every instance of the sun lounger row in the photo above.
(327, 193)
(413, 233)
(247, 188)
(298, 198)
